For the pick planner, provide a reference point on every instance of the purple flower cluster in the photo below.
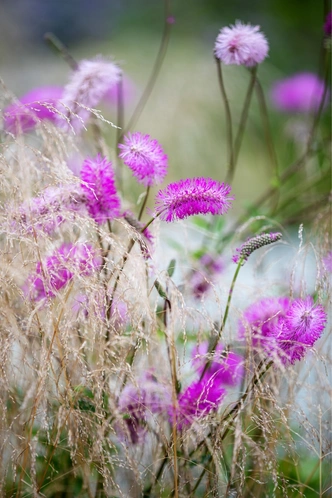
(33, 107)
(59, 268)
(302, 93)
(210, 267)
(99, 188)
(145, 157)
(193, 196)
(283, 328)
(242, 44)
(247, 248)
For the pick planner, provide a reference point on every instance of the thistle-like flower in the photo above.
(88, 85)
(145, 157)
(301, 327)
(59, 268)
(198, 400)
(254, 243)
(193, 196)
(99, 188)
(242, 44)
(301, 92)
(33, 107)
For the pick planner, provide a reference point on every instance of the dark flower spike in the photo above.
(243, 252)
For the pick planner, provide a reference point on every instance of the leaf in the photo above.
(171, 267)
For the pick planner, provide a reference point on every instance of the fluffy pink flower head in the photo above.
(227, 368)
(59, 268)
(33, 107)
(128, 92)
(99, 188)
(302, 92)
(242, 44)
(87, 86)
(193, 196)
(198, 400)
(260, 319)
(145, 157)
(301, 327)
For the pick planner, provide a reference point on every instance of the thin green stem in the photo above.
(155, 70)
(61, 49)
(243, 121)
(229, 126)
(230, 294)
(119, 136)
(144, 203)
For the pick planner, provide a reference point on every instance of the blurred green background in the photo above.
(185, 112)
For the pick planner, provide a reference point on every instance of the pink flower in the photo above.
(102, 200)
(54, 206)
(128, 92)
(87, 87)
(145, 157)
(301, 327)
(302, 92)
(193, 196)
(201, 278)
(226, 367)
(33, 107)
(59, 268)
(243, 252)
(198, 400)
(242, 44)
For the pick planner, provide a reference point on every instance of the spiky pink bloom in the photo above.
(193, 196)
(260, 319)
(243, 252)
(302, 92)
(59, 268)
(198, 400)
(141, 403)
(34, 106)
(242, 44)
(87, 86)
(226, 367)
(208, 269)
(50, 209)
(301, 327)
(99, 188)
(145, 157)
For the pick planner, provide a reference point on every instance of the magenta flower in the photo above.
(87, 87)
(201, 278)
(128, 92)
(198, 400)
(242, 44)
(145, 157)
(302, 92)
(260, 319)
(33, 107)
(98, 185)
(141, 403)
(227, 367)
(328, 24)
(301, 327)
(59, 268)
(54, 206)
(193, 196)
(243, 252)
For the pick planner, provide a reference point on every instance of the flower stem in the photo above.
(144, 203)
(120, 123)
(229, 126)
(155, 71)
(230, 293)
(243, 122)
